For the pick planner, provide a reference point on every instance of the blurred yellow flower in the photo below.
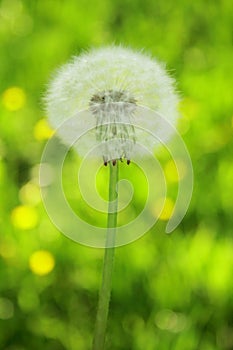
(167, 210)
(14, 98)
(24, 217)
(171, 172)
(42, 130)
(41, 262)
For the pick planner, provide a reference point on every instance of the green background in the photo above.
(169, 292)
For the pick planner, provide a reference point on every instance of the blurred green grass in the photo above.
(169, 292)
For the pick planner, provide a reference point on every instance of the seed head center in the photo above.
(109, 96)
(114, 129)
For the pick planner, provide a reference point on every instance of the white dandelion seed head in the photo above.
(110, 82)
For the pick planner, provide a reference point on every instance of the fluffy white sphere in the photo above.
(112, 68)
(113, 84)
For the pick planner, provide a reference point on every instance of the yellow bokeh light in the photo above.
(163, 209)
(171, 170)
(30, 194)
(171, 173)
(42, 130)
(14, 98)
(24, 217)
(41, 262)
(167, 209)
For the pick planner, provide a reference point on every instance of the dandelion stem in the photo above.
(105, 290)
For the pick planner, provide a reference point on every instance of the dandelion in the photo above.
(112, 84)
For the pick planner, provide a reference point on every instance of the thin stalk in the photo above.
(105, 290)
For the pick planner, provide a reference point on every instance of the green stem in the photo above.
(105, 290)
